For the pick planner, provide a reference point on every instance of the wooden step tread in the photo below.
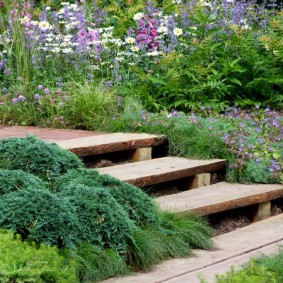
(105, 143)
(219, 197)
(161, 170)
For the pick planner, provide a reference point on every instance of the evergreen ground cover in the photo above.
(81, 220)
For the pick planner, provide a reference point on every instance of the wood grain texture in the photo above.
(219, 197)
(110, 143)
(161, 170)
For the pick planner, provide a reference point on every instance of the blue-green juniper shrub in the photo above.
(139, 206)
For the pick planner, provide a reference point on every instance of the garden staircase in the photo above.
(144, 163)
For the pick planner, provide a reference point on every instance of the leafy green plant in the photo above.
(13, 180)
(102, 220)
(138, 205)
(45, 160)
(40, 216)
(252, 273)
(25, 262)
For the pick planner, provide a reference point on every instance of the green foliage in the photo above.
(263, 269)
(45, 160)
(150, 246)
(13, 180)
(193, 229)
(24, 262)
(174, 237)
(96, 264)
(135, 202)
(102, 220)
(40, 216)
(89, 106)
(252, 273)
(254, 172)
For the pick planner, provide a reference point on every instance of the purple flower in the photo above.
(37, 96)
(40, 87)
(15, 100)
(46, 91)
(21, 98)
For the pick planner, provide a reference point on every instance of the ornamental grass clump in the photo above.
(14, 180)
(30, 154)
(40, 216)
(102, 220)
(138, 205)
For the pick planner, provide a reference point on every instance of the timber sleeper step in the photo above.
(107, 143)
(160, 170)
(223, 197)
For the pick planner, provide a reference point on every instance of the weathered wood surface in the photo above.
(47, 134)
(219, 197)
(161, 170)
(94, 145)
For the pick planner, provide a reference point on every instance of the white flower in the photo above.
(48, 8)
(25, 20)
(67, 50)
(65, 3)
(61, 11)
(178, 31)
(107, 35)
(177, 1)
(34, 23)
(44, 25)
(130, 40)
(74, 6)
(162, 29)
(153, 53)
(134, 48)
(138, 16)
(56, 50)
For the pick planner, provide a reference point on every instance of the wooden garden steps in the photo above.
(160, 170)
(94, 145)
(221, 197)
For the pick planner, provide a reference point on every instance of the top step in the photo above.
(219, 197)
(105, 143)
(160, 170)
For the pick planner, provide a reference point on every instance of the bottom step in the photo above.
(229, 246)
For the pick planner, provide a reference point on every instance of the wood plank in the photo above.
(141, 154)
(161, 170)
(110, 143)
(263, 211)
(198, 181)
(219, 197)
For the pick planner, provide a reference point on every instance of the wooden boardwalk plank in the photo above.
(161, 170)
(110, 143)
(219, 197)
